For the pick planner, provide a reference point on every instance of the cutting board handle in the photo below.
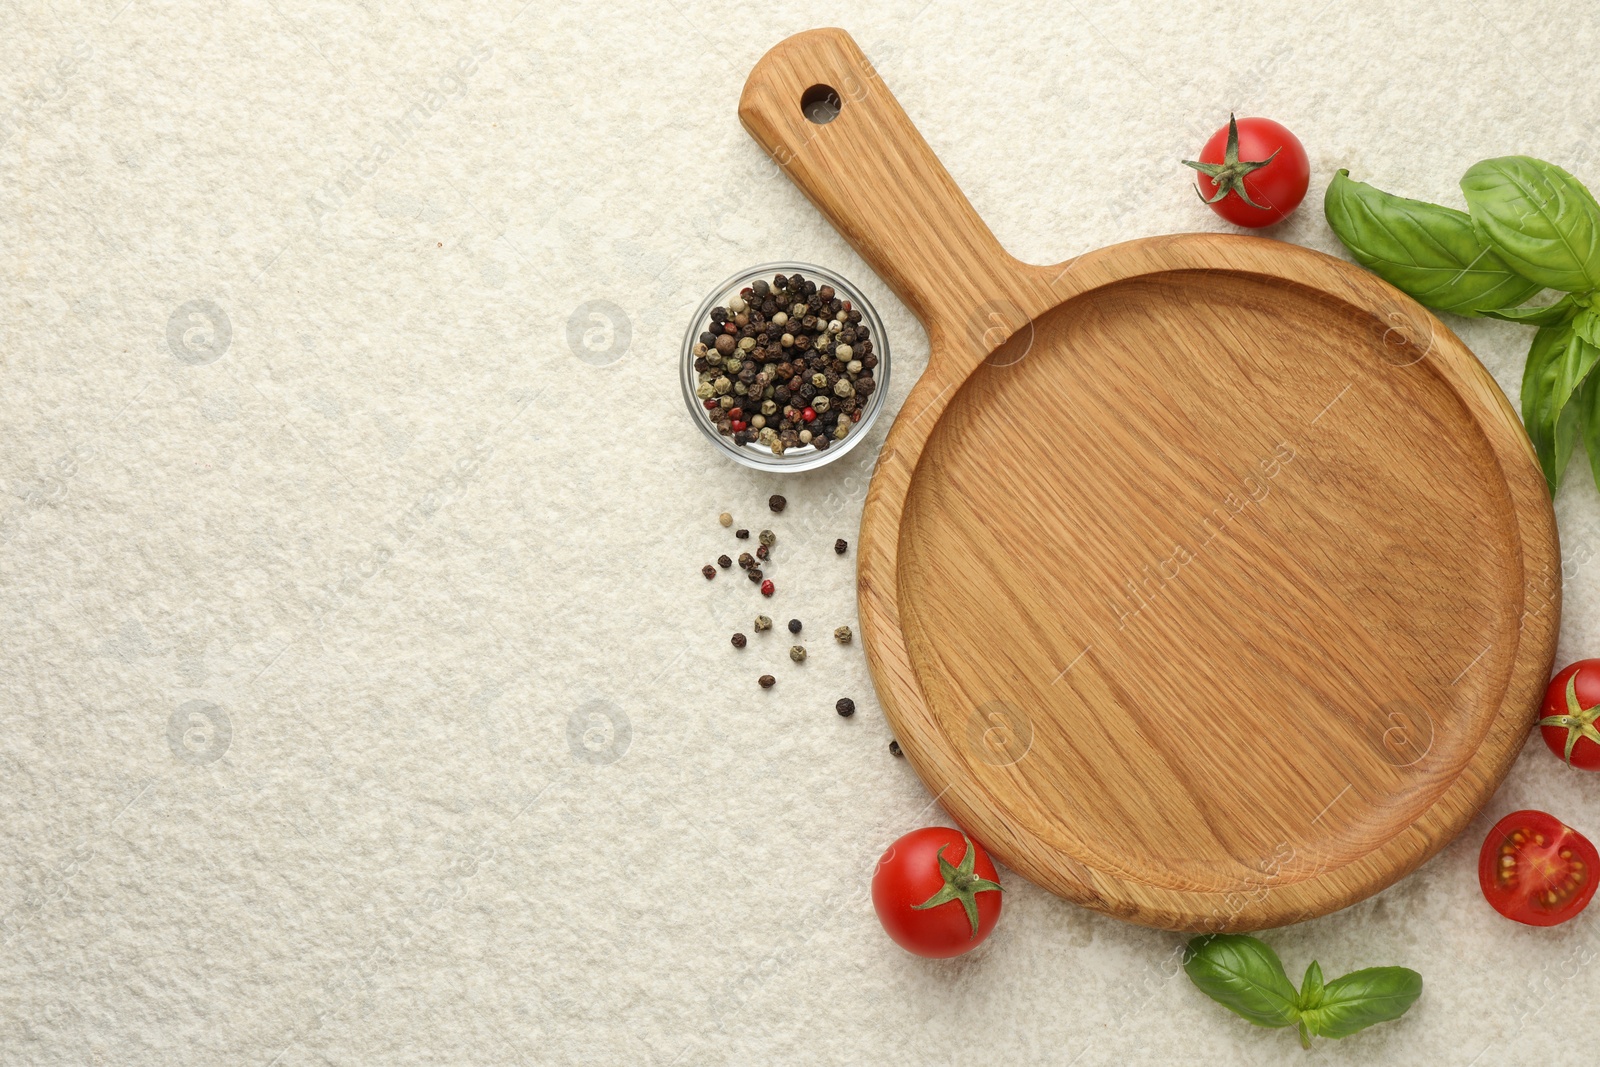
(874, 177)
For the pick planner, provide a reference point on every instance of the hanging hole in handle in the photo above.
(820, 104)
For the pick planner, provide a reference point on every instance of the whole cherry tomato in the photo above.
(1571, 706)
(1253, 172)
(936, 892)
(1534, 869)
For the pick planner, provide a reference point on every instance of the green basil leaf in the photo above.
(1541, 220)
(1557, 362)
(1311, 987)
(1243, 975)
(1586, 324)
(1362, 998)
(1430, 252)
(1587, 402)
(1549, 315)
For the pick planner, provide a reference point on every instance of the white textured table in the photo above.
(332, 515)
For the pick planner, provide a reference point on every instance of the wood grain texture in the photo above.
(1208, 580)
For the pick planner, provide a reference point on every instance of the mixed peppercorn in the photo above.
(766, 541)
(787, 365)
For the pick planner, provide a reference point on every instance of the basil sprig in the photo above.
(1529, 226)
(1245, 976)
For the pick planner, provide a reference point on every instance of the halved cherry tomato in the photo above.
(1571, 706)
(1535, 869)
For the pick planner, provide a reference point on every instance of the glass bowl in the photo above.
(803, 457)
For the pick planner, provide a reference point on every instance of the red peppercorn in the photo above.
(809, 415)
(736, 424)
(766, 587)
(711, 405)
(736, 414)
(855, 416)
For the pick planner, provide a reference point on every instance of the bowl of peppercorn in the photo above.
(785, 367)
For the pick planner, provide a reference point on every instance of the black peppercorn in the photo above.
(761, 552)
(755, 574)
(738, 640)
(776, 502)
(894, 749)
(845, 707)
(709, 571)
(794, 626)
(742, 534)
(766, 681)
(724, 562)
(841, 546)
(746, 560)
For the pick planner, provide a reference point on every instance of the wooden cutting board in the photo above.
(1207, 580)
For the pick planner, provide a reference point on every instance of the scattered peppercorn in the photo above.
(724, 562)
(798, 653)
(742, 534)
(768, 538)
(767, 588)
(763, 623)
(738, 640)
(843, 635)
(794, 626)
(845, 707)
(894, 749)
(766, 681)
(709, 571)
(841, 546)
(755, 574)
(776, 502)
(725, 519)
(761, 552)
(746, 561)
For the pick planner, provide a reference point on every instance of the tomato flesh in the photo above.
(1534, 869)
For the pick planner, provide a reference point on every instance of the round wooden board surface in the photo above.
(1207, 580)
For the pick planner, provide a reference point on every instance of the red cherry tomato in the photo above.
(1536, 870)
(1253, 172)
(936, 892)
(1571, 706)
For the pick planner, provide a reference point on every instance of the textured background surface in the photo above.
(362, 699)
